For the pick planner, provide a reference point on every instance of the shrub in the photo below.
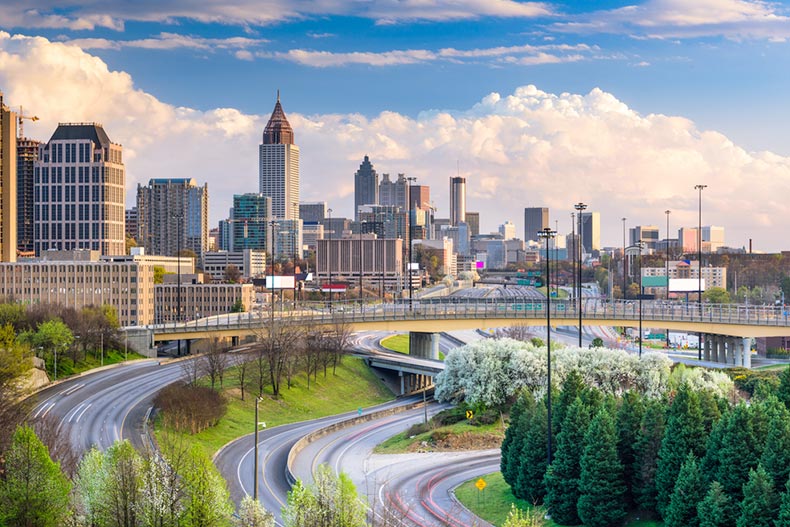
(190, 408)
(749, 380)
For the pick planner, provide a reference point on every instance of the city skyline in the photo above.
(585, 99)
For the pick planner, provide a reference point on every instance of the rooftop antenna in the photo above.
(278, 94)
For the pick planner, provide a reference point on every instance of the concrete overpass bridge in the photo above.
(727, 328)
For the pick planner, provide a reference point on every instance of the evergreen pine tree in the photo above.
(572, 387)
(710, 461)
(629, 418)
(709, 406)
(601, 487)
(514, 437)
(684, 432)
(711, 512)
(651, 431)
(783, 392)
(562, 477)
(776, 454)
(737, 456)
(534, 458)
(34, 491)
(688, 492)
(760, 504)
(784, 508)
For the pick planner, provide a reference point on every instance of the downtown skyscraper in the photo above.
(8, 176)
(366, 186)
(279, 165)
(79, 192)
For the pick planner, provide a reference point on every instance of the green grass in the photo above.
(353, 386)
(398, 343)
(400, 443)
(561, 294)
(493, 503)
(67, 367)
(772, 367)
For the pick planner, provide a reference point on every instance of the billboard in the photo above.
(685, 285)
(280, 282)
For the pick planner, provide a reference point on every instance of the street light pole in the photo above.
(699, 263)
(360, 260)
(666, 269)
(410, 180)
(255, 474)
(329, 258)
(180, 217)
(580, 207)
(625, 285)
(641, 333)
(548, 234)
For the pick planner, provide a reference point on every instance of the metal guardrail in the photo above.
(464, 309)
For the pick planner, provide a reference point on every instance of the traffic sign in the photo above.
(469, 414)
(480, 484)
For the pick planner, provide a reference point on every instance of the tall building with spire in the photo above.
(279, 165)
(366, 186)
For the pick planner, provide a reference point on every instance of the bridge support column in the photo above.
(708, 346)
(730, 350)
(746, 347)
(424, 345)
(722, 350)
(141, 340)
(402, 385)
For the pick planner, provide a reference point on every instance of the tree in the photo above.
(514, 437)
(572, 388)
(776, 454)
(232, 274)
(214, 362)
(533, 460)
(601, 488)
(562, 476)
(684, 432)
(123, 488)
(711, 510)
(237, 307)
(760, 505)
(330, 500)
(90, 484)
(159, 274)
(34, 492)
(51, 337)
(716, 295)
(688, 492)
(784, 507)
(207, 502)
(648, 444)
(15, 364)
(783, 392)
(252, 514)
(629, 419)
(597, 342)
(738, 455)
(160, 494)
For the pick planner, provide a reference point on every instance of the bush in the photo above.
(748, 380)
(190, 408)
(450, 416)
(777, 353)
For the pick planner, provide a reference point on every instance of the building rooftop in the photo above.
(278, 130)
(76, 131)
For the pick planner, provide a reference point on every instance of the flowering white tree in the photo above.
(491, 371)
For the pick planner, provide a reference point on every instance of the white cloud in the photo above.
(522, 149)
(168, 41)
(527, 55)
(735, 19)
(90, 14)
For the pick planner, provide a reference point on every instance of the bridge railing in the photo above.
(592, 309)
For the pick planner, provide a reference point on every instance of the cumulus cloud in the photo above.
(527, 148)
(91, 14)
(735, 19)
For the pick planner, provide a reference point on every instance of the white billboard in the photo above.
(280, 282)
(685, 285)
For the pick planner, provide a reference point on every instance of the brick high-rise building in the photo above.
(79, 191)
(279, 165)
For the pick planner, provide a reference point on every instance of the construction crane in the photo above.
(21, 116)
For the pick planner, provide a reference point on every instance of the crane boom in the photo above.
(21, 116)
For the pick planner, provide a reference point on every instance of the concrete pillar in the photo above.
(730, 350)
(424, 345)
(402, 386)
(746, 344)
(718, 348)
(708, 346)
(737, 351)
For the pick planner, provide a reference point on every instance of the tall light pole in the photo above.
(329, 258)
(410, 181)
(666, 269)
(547, 234)
(700, 188)
(180, 217)
(572, 257)
(580, 208)
(255, 474)
(625, 285)
(360, 259)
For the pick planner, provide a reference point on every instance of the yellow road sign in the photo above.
(480, 484)
(469, 414)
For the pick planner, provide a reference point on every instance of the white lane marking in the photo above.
(51, 406)
(71, 413)
(82, 412)
(40, 409)
(73, 389)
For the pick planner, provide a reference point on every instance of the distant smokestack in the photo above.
(750, 246)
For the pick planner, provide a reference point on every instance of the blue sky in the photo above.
(356, 76)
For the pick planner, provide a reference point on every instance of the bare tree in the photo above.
(232, 274)
(339, 343)
(243, 366)
(192, 369)
(57, 440)
(278, 343)
(214, 362)
(520, 332)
